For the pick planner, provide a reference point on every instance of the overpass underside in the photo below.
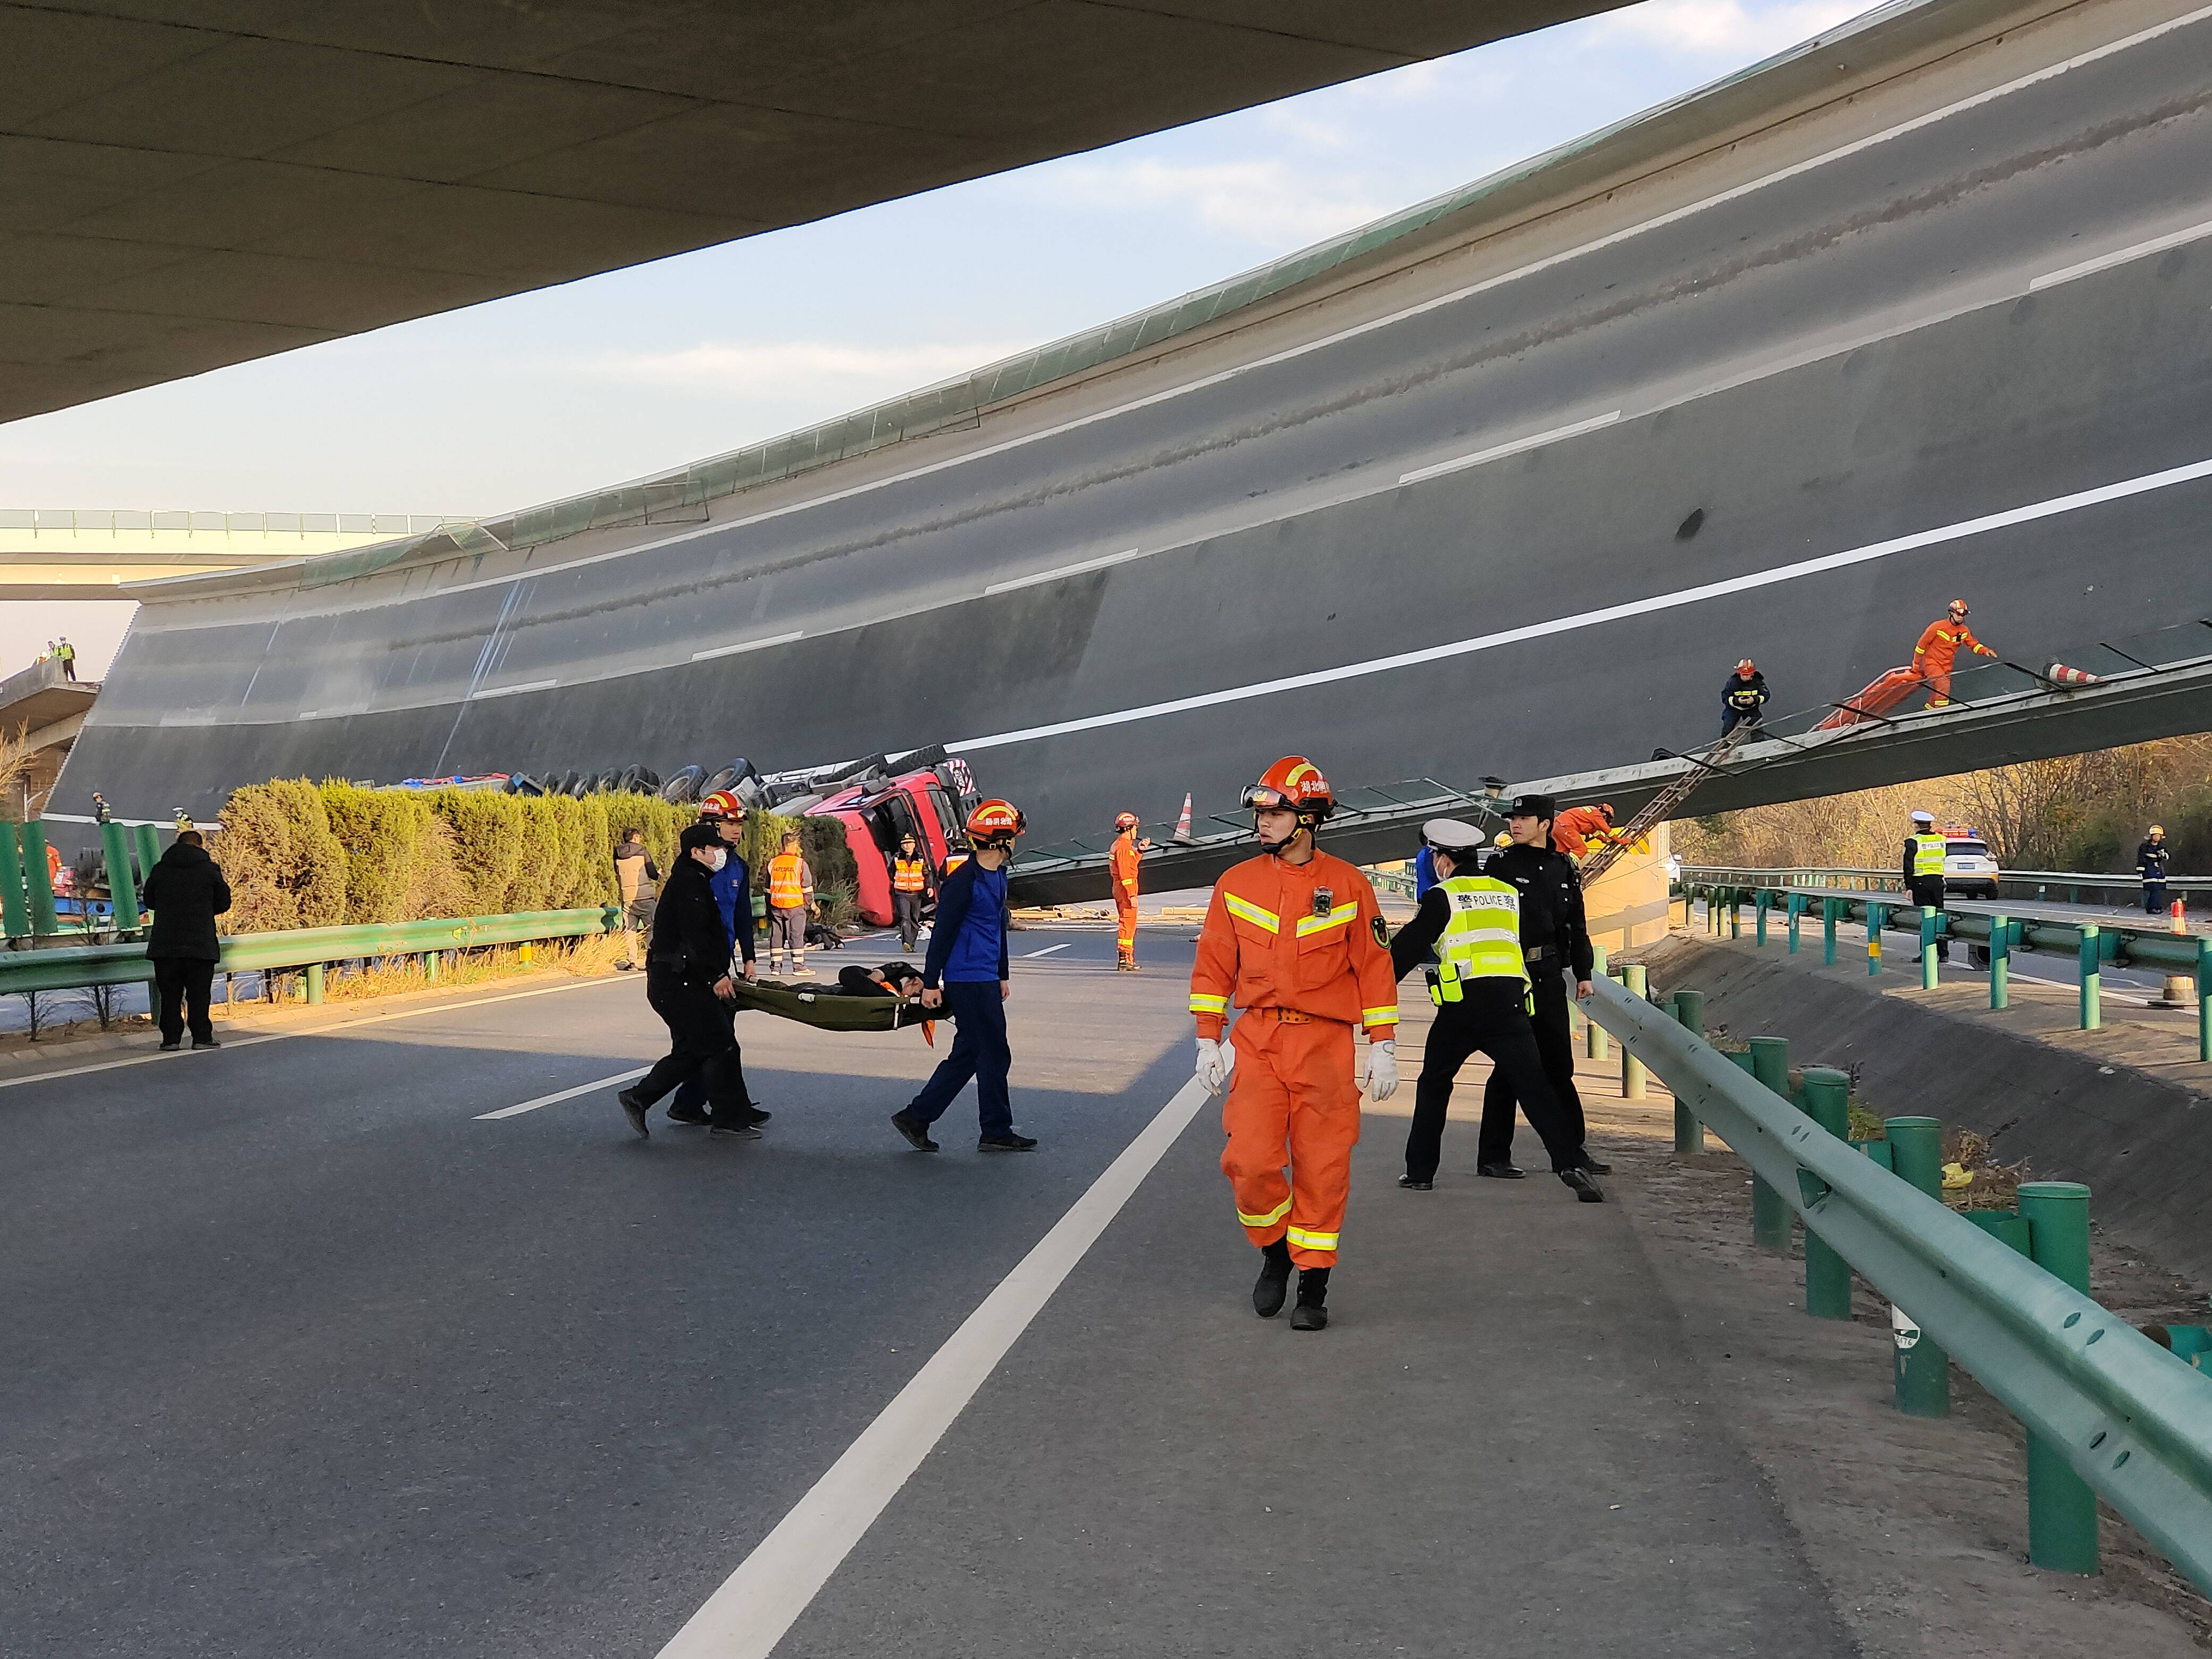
(1774, 372)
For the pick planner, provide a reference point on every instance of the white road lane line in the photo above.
(1499, 452)
(1289, 353)
(1077, 570)
(2120, 257)
(259, 1038)
(616, 1081)
(759, 1602)
(749, 645)
(2075, 985)
(1047, 950)
(1756, 580)
(502, 690)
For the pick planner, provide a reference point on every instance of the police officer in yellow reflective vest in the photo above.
(1924, 851)
(1480, 985)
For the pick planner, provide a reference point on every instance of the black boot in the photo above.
(1274, 1283)
(1313, 1290)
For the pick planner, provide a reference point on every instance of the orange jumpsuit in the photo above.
(1124, 859)
(1932, 658)
(1304, 980)
(1574, 829)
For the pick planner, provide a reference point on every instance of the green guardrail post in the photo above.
(115, 843)
(1828, 909)
(2203, 1005)
(1735, 913)
(1595, 1042)
(149, 840)
(1632, 975)
(15, 916)
(314, 983)
(1921, 1371)
(1877, 917)
(1797, 903)
(2000, 961)
(430, 960)
(1758, 917)
(1770, 1215)
(2092, 1000)
(1689, 1011)
(1827, 1275)
(2061, 1509)
(39, 879)
(1928, 979)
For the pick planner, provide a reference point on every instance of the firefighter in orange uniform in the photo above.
(1294, 939)
(1128, 854)
(1578, 829)
(1939, 647)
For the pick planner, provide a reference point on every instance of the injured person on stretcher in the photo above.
(883, 998)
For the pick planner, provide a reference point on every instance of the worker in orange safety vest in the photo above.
(790, 896)
(912, 881)
(1939, 647)
(1128, 854)
(1294, 939)
(1578, 829)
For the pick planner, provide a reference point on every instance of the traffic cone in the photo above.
(2177, 985)
(2059, 674)
(2174, 911)
(1182, 823)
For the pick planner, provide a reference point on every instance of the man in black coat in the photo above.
(186, 891)
(1743, 697)
(1555, 942)
(686, 981)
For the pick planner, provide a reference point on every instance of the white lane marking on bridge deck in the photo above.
(749, 645)
(555, 1099)
(2120, 257)
(1047, 950)
(343, 1025)
(505, 690)
(1499, 452)
(774, 1585)
(1289, 353)
(1582, 619)
(2103, 991)
(1076, 570)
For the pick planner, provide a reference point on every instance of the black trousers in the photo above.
(1493, 1022)
(906, 914)
(702, 1053)
(185, 985)
(2153, 897)
(1926, 891)
(1555, 1051)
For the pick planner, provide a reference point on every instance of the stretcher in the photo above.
(1877, 699)
(828, 1010)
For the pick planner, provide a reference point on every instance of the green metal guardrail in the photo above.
(2104, 1402)
(71, 968)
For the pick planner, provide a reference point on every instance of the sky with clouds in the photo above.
(566, 390)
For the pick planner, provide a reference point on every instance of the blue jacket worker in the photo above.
(966, 975)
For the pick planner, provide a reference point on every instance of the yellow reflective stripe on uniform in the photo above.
(1337, 918)
(1300, 1236)
(1270, 1219)
(1379, 1016)
(1245, 910)
(1202, 1004)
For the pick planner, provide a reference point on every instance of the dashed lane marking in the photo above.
(1047, 950)
(616, 1080)
(759, 1602)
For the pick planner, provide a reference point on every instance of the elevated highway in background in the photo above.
(1501, 486)
(194, 185)
(68, 553)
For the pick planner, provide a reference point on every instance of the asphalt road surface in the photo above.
(1133, 595)
(307, 1354)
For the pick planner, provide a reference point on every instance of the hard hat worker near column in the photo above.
(1481, 990)
(1295, 939)
(1127, 855)
(1926, 848)
(1939, 647)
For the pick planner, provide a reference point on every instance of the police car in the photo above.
(1969, 872)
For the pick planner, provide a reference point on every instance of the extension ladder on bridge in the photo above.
(1661, 807)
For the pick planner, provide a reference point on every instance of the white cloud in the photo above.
(1262, 200)
(797, 367)
(1720, 28)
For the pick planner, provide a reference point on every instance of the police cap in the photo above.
(1533, 806)
(1451, 835)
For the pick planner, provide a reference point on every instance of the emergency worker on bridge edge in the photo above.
(1743, 697)
(1939, 647)
(1555, 945)
(1129, 854)
(731, 887)
(1925, 849)
(2151, 857)
(1295, 939)
(1578, 829)
(1474, 923)
(912, 883)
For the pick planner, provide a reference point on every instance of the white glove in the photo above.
(1382, 1070)
(1214, 1065)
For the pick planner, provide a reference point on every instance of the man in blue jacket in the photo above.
(733, 891)
(966, 975)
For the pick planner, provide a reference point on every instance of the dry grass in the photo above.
(586, 957)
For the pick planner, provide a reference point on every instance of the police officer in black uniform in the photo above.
(1488, 1012)
(1555, 942)
(686, 981)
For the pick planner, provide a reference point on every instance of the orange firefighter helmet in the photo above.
(1292, 783)
(1745, 668)
(721, 805)
(996, 823)
(1126, 821)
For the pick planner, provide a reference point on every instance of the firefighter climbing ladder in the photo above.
(1662, 806)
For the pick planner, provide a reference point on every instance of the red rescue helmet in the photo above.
(996, 823)
(1745, 668)
(1126, 821)
(1291, 784)
(1958, 607)
(721, 805)
(1605, 810)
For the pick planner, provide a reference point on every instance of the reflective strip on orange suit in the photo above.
(1291, 1099)
(1261, 946)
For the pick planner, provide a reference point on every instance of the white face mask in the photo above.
(717, 857)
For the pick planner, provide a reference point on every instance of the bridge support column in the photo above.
(2092, 998)
(1827, 1275)
(1920, 1372)
(2061, 1509)
(1770, 1216)
(2000, 961)
(1689, 1009)
(1632, 1069)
